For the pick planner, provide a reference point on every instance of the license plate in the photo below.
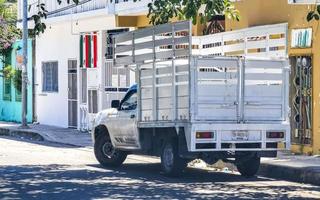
(240, 135)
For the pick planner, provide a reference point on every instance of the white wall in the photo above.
(60, 42)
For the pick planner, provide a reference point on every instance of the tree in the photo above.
(8, 9)
(202, 11)
(162, 11)
(9, 34)
(8, 29)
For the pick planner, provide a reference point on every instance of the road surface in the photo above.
(50, 171)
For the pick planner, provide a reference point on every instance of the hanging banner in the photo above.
(301, 38)
(89, 50)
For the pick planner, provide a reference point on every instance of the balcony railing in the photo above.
(308, 2)
(113, 7)
(55, 10)
(129, 7)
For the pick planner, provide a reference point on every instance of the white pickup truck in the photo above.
(187, 106)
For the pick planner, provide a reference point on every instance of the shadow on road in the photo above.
(133, 181)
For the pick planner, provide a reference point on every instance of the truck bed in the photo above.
(233, 90)
(225, 95)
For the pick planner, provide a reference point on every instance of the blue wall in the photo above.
(11, 110)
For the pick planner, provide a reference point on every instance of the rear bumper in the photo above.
(224, 140)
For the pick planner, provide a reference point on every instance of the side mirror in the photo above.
(115, 104)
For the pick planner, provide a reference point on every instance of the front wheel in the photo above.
(106, 154)
(248, 166)
(171, 163)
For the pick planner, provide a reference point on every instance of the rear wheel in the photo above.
(171, 163)
(106, 154)
(248, 166)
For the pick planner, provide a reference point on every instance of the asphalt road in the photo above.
(50, 171)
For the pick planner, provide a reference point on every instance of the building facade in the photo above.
(74, 78)
(10, 88)
(303, 48)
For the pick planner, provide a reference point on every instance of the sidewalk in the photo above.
(54, 134)
(298, 168)
(304, 169)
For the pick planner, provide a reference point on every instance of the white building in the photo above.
(73, 78)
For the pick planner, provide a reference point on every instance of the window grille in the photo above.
(50, 77)
(93, 101)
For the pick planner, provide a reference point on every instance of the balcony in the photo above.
(308, 2)
(56, 10)
(129, 7)
(111, 7)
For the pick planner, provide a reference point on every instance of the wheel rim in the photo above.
(168, 157)
(108, 150)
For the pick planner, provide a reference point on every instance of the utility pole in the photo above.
(24, 65)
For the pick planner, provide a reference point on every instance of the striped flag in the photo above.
(89, 50)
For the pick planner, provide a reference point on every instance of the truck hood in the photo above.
(103, 115)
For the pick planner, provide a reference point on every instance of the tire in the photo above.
(171, 163)
(248, 166)
(106, 154)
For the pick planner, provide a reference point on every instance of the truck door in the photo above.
(127, 135)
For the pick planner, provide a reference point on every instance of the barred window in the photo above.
(6, 89)
(50, 77)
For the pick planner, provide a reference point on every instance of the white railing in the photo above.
(54, 9)
(118, 7)
(262, 41)
(127, 7)
(303, 1)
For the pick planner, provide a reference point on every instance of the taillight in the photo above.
(275, 134)
(204, 135)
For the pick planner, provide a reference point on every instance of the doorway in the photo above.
(72, 94)
(301, 99)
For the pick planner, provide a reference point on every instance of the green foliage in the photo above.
(8, 9)
(9, 31)
(9, 73)
(203, 11)
(314, 14)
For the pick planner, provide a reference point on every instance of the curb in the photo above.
(310, 175)
(307, 175)
(30, 135)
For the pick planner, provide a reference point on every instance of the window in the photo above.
(110, 34)
(93, 101)
(6, 89)
(50, 77)
(130, 103)
(7, 82)
(18, 95)
(115, 77)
